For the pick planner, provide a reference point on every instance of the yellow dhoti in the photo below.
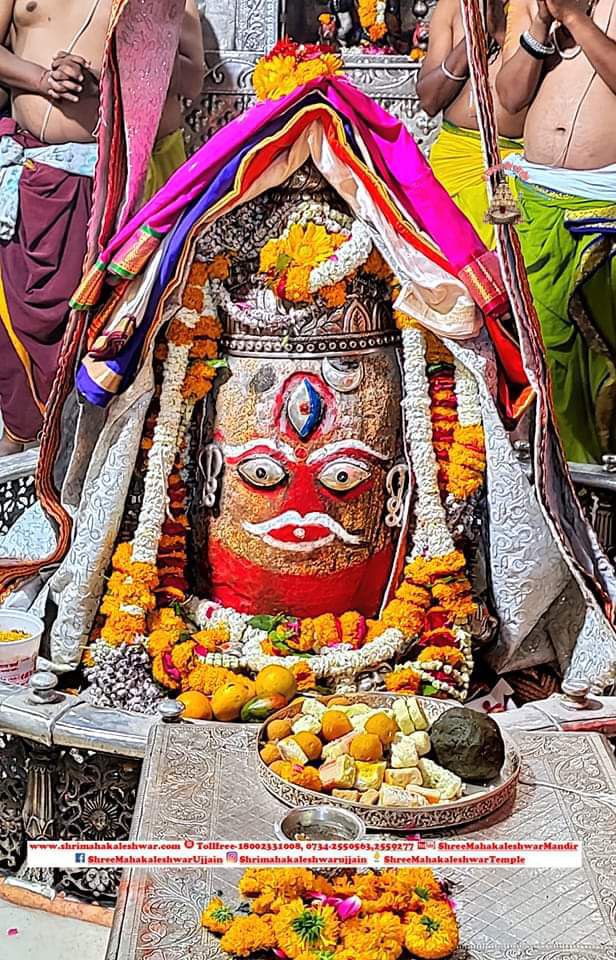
(457, 161)
(168, 155)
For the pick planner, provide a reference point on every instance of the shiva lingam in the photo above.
(290, 514)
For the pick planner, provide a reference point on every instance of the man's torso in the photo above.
(463, 111)
(572, 119)
(42, 28)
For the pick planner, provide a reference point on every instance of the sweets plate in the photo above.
(479, 801)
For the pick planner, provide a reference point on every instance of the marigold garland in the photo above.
(289, 65)
(302, 915)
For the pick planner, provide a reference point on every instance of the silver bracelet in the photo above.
(543, 49)
(452, 76)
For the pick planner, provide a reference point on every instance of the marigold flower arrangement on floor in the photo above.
(302, 915)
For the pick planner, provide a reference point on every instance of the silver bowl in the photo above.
(320, 823)
(477, 803)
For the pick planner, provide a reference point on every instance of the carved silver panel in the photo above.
(200, 781)
(94, 798)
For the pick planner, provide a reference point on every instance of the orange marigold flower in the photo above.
(404, 616)
(122, 557)
(334, 295)
(207, 326)
(198, 274)
(192, 299)
(182, 654)
(325, 631)
(212, 637)
(450, 655)
(198, 380)
(296, 285)
(304, 676)
(161, 641)
(417, 596)
(122, 627)
(377, 32)
(219, 267)
(432, 934)
(217, 917)
(403, 679)
(248, 935)
(204, 349)
(167, 619)
(207, 679)
(179, 333)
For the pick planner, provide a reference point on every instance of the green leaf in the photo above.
(428, 690)
(217, 363)
(264, 622)
(282, 261)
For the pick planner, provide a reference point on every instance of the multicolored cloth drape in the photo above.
(378, 151)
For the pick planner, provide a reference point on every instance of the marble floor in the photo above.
(27, 934)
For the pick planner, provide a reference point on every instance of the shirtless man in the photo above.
(51, 64)
(456, 156)
(560, 63)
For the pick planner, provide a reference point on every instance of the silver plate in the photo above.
(478, 802)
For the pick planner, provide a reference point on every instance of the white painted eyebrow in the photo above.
(236, 450)
(349, 445)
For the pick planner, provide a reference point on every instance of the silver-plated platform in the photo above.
(201, 782)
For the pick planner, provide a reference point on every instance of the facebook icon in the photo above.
(80, 858)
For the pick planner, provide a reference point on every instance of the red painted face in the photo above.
(301, 514)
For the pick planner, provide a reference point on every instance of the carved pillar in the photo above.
(13, 783)
(38, 817)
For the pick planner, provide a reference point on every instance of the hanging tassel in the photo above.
(503, 207)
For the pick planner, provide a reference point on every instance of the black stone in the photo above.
(469, 744)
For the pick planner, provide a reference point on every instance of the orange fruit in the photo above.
(383, 726)
(227, 701)
(278, 729)
(310, 744)
(269, 753)
(196, 705)
(334, 724)
(275, 680)
(367, 747)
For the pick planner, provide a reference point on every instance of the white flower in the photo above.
(467, 394)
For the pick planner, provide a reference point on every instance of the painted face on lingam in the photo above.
(307, 427)
(307, 449)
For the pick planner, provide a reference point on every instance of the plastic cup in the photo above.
(18, 657)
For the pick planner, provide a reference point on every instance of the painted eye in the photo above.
(343, 475)
(261, 471)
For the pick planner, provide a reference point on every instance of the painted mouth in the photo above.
(292, 531)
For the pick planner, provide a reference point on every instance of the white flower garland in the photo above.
(467, 395)
(432, 537)
(461, 677)
(164, 446)
(348, 258)
(334, 662)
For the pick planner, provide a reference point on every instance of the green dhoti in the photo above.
(568, 245)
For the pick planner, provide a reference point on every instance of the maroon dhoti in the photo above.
(40, 268)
